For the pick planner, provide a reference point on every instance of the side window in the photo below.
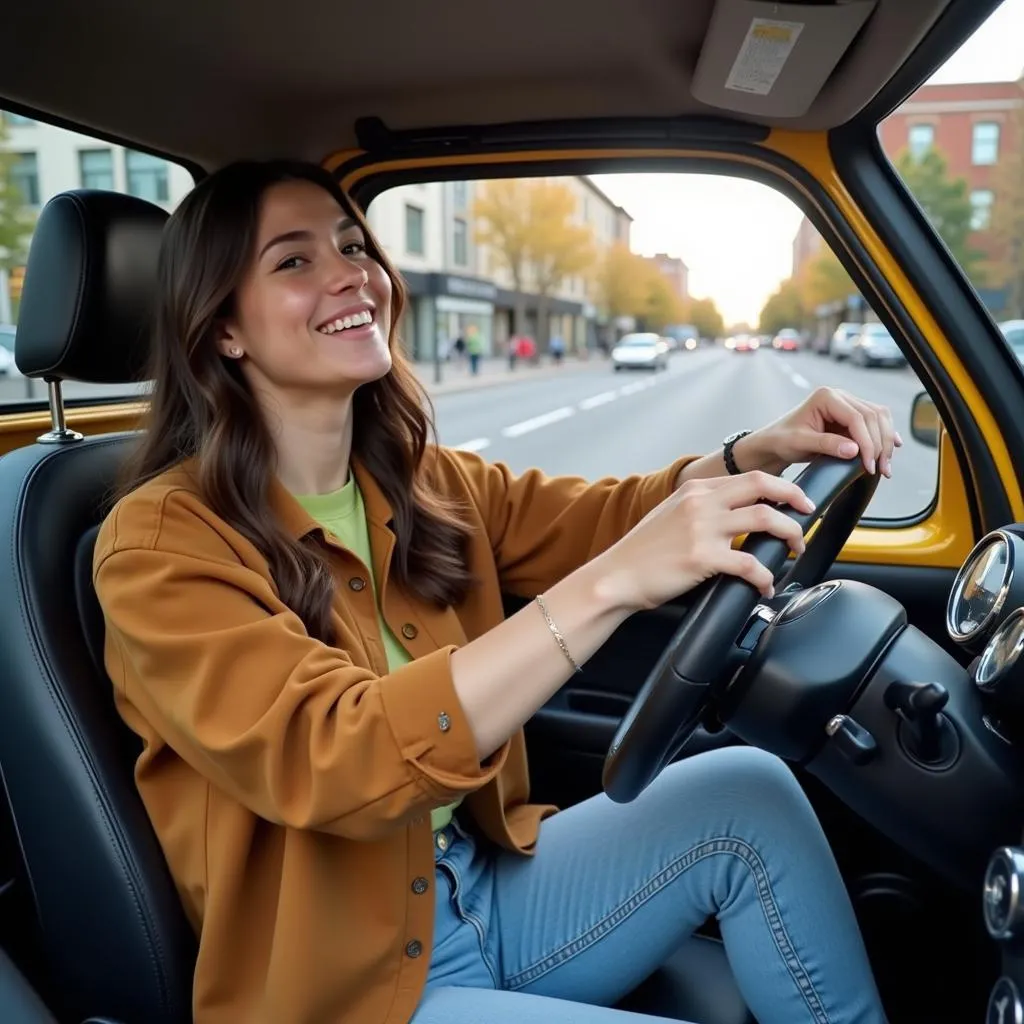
(38, 161)
(619, 326)
(970, 181)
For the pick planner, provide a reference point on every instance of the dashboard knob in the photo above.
(1003, 898)
(1004, 1004)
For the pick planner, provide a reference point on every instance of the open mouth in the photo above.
(345, 323)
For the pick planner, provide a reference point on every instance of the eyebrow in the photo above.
(304, 236)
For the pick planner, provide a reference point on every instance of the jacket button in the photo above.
(420, 886)
(409, 631)
(357, 583)
(413, 949)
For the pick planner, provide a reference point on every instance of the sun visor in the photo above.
(772, 59)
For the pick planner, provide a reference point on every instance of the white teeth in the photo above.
(342, 323)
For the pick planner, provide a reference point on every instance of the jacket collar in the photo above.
(299, 523)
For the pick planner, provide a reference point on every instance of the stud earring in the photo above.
(236, 351)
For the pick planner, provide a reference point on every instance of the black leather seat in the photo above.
(113, 929)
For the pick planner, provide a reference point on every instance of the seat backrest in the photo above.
(113, 930)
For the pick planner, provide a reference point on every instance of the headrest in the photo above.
(89, 287)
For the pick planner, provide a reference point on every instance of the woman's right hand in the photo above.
(688, 539)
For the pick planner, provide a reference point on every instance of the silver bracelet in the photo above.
(557, 633)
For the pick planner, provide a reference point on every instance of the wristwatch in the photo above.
(727, 446)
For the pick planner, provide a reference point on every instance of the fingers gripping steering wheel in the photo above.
(670, 704)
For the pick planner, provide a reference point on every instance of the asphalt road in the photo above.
(587, 420)
(592, 422)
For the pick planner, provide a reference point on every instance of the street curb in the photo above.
(494, 380)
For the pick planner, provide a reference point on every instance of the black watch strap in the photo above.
(727, 447)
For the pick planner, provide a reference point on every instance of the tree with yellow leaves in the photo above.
(529, 226)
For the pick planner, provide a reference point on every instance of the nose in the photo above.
(345, 273)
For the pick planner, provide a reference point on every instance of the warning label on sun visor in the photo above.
(763, 55)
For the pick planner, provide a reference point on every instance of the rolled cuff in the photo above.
(431, 729)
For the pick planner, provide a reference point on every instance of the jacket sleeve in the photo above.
(541, 528)
(227, 675)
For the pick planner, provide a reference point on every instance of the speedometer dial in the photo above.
(979, 592)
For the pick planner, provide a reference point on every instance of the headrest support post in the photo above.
(59, 434)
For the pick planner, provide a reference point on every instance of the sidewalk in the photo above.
(494, 371)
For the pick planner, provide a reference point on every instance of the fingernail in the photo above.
(871, 466)
(899, 439)
(848, 449)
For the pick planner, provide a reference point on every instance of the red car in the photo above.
(786, 341)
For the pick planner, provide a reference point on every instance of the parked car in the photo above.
(1013, 331)
(642, 351)
(841, 345)
(8, 368)
(875, 346)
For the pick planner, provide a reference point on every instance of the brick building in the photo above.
(975, 126)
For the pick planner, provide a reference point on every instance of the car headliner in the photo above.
(210, 82)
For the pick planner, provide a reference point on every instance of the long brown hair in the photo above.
(202, 407)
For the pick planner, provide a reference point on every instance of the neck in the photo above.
(313, 442)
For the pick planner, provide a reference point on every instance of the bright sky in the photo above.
(739, 266)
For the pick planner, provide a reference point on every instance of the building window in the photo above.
(147, 176)
(460, 195)
(985, 143)
(414, 230)
(96, 168)
(18, 120)
(460, 243)
(920, 138)
(981, 209)
(24, 174)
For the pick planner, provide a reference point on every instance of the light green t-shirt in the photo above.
(342, 513)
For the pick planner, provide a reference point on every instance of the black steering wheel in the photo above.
(670, 704)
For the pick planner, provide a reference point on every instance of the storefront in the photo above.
(442, 307)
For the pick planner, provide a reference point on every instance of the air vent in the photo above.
(771, 59)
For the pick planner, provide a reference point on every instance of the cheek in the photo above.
(380, 286)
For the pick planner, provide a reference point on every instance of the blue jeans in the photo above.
(613, 889)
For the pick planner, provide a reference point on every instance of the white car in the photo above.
(7, 364)
(641, 351)
(1013, 331)
(841, 346)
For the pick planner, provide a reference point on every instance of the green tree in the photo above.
(15, 218)
(704, 315)
(784, 308)
(945, 201)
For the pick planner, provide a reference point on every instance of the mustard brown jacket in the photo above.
(290, 782)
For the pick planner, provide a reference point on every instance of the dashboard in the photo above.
(985, 617)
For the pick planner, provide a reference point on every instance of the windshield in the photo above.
(641, 340)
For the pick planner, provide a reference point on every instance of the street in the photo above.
(589, 421)
(584, 419)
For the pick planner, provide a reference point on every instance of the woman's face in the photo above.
(313, 312)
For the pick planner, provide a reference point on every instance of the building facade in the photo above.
(455, 283)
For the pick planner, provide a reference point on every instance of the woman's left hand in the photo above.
(829, 422)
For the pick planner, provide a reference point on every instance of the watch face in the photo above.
(735, 437)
